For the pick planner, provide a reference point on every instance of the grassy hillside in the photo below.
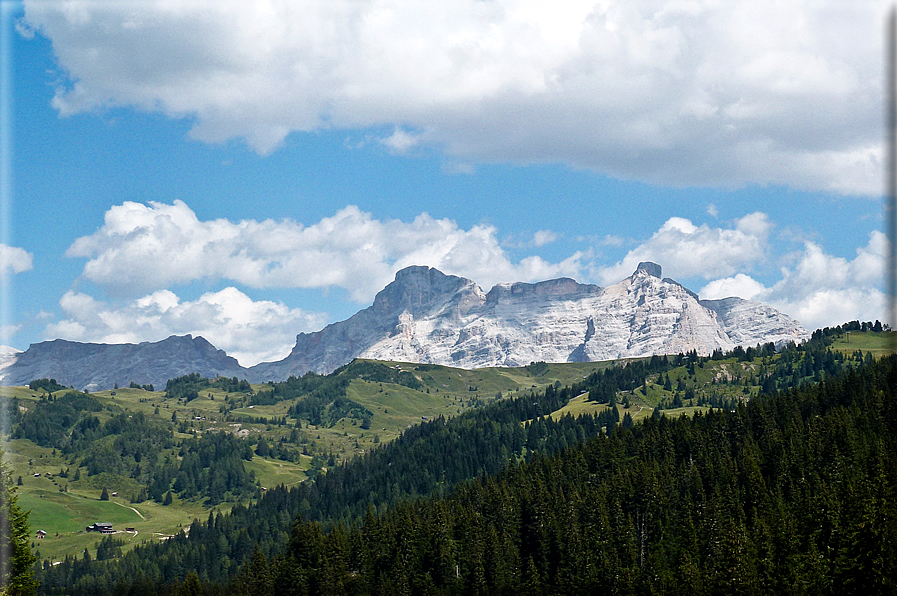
(878, 344)
(63, 506)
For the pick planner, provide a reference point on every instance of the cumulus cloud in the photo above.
(14, 260)
(740, 285)
(543, 237)
(686, 250)
(707, 93)
(142, 248)
(7, 332)
(820, 289)
(251, 331)
(400, 141)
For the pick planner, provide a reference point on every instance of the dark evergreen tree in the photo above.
(16, 559)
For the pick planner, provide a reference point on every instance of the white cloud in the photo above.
(741, 285)
(14, 260)
(400, 141)
(142, 248)
(689, 93)
(543, 237)
(686, 250)
(251, 331)
(824, 290)
(820, 290)
(7, 332)
(458, 167)
(23, 29)
(611, 240)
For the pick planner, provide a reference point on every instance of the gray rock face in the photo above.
(426, 316)
(743, 320)
(429, 317)
(650, 268)
(418, 293)
(101, 366)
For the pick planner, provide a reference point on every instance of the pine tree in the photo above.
(104, 496)
(16, 560)
(255, 576)
(190, 587)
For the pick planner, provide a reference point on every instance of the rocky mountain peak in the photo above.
(429, 317)
(649, 268)
(417, 290)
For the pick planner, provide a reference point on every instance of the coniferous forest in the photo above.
(792, 492)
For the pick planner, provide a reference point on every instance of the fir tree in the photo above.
(16, 559)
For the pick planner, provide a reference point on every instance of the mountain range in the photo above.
(427, 316)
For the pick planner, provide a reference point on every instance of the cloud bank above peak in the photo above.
(670, 92)
(686, 250)
(819, 289)
(350, 250)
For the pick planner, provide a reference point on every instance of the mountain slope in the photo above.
(101, 366)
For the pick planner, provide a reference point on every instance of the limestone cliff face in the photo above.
(426, 316)
(743, 320)
(429, 317)
(8, 357)
(417, 294)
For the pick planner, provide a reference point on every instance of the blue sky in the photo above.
(247, 171)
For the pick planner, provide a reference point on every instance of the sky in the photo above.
(246, 171)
